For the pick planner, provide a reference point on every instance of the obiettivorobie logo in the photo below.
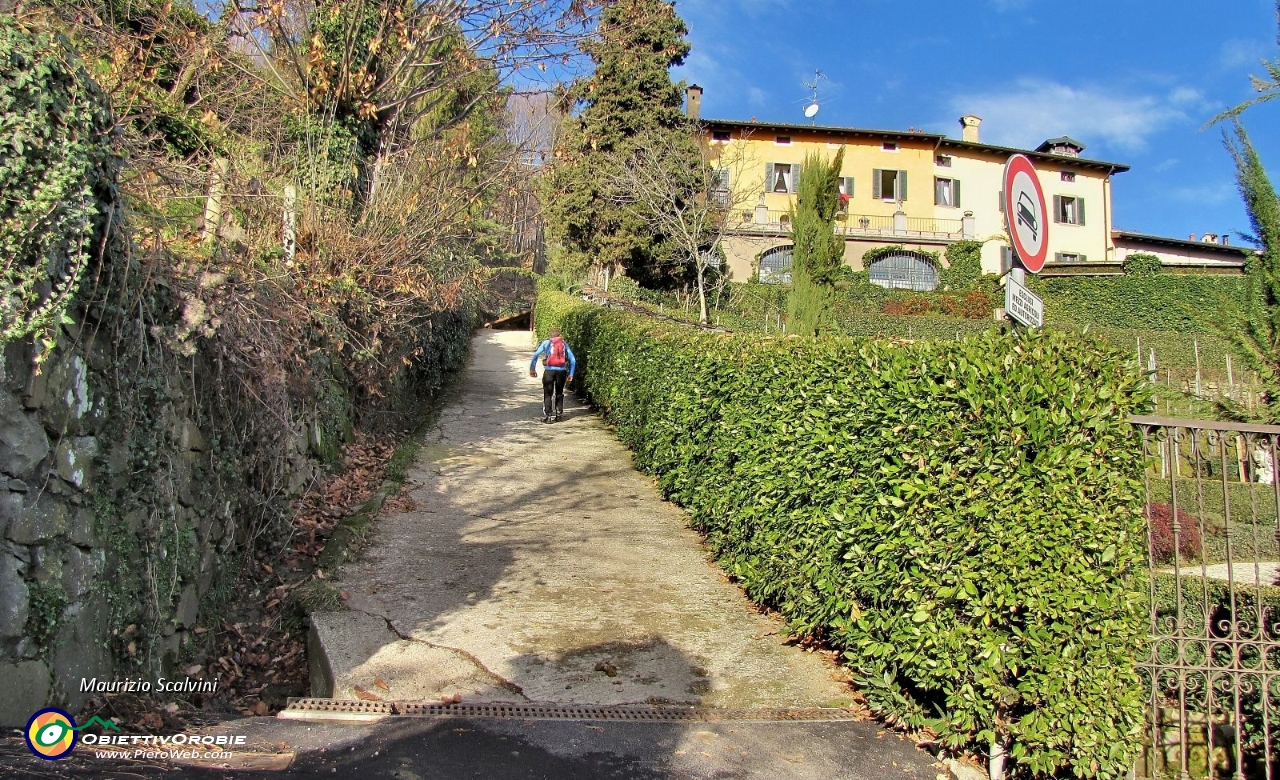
(52, 734)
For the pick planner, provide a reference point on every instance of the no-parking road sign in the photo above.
(1026, 213)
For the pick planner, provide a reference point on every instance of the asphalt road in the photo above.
(431, 749)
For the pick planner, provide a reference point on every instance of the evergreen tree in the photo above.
(626, 104)
(1260, 336)
(818, 252)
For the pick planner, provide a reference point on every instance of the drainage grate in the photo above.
(342, 706)
(521, 711)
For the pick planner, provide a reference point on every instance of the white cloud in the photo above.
(1236, 53)
(1031, 110)
(1166, 165)
(756, 97)
(1205, 194)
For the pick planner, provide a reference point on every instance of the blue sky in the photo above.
(1135, 80)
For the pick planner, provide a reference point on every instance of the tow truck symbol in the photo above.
(1027, 215)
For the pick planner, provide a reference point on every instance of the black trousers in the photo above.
(553, 390)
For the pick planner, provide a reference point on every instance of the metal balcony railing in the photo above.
(854, 225)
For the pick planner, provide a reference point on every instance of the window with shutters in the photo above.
(721, 136)
(889, 184)
(783, 139)
(943, 160)
(781, 177)
(846, 194)
(720, 187)
(1068, 210)
(889, 146)
(1068, 257)
(1067, 176)
(775, 265)
(904, 270)
(946, 192)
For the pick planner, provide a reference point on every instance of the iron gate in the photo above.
(1212, 667)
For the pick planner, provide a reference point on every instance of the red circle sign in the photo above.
(1025, 212)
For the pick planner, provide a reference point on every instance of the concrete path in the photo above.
(539, 565)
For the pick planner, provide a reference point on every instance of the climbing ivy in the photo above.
(1186, 304)
(54, 144)
(964, 265)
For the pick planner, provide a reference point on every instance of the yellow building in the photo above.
(920, 190)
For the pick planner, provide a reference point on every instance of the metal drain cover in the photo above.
(344, 709)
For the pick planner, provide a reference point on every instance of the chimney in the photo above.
(1191, 237)
(693, 107)
(1226, 240)
(969, 125)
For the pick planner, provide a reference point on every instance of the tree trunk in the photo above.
(702, 294)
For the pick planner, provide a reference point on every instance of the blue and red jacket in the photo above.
(544, 350)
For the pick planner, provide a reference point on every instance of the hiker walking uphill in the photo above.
(559, 363)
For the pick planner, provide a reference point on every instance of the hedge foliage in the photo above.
(962, 519)
(1141, 264)
(1186, 304)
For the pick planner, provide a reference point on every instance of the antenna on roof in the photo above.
(811, 110)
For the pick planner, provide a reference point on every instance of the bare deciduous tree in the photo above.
(694, 210)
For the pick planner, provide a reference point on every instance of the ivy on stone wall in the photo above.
(54, 127)
(1186, 304)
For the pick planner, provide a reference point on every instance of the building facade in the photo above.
(921, 191)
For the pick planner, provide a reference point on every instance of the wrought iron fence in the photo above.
(1212, 666)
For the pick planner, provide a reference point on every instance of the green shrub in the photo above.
(1186, 304)
(1141, 264)
(962, 519)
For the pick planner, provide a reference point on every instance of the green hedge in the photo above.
(962, 519)
(1186, 304)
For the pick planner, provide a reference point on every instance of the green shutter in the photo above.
(1001, 206)
(1057, 208)
(902, 185)
(955, 192)
(1079, 211)
(795, 177)
(876, 183)
(768, 177)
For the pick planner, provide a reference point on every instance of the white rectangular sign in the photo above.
(1022, 304)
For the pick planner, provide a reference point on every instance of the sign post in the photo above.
(1028, 220)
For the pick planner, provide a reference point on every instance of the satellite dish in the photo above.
(811, 110)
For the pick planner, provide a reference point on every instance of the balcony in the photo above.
(767, 222)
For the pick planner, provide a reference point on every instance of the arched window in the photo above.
(775, 265)
(904, 270)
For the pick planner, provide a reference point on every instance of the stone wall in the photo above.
(120, 522)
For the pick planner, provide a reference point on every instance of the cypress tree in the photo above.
(628, 99)
(818, 252)
(1259, 338)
